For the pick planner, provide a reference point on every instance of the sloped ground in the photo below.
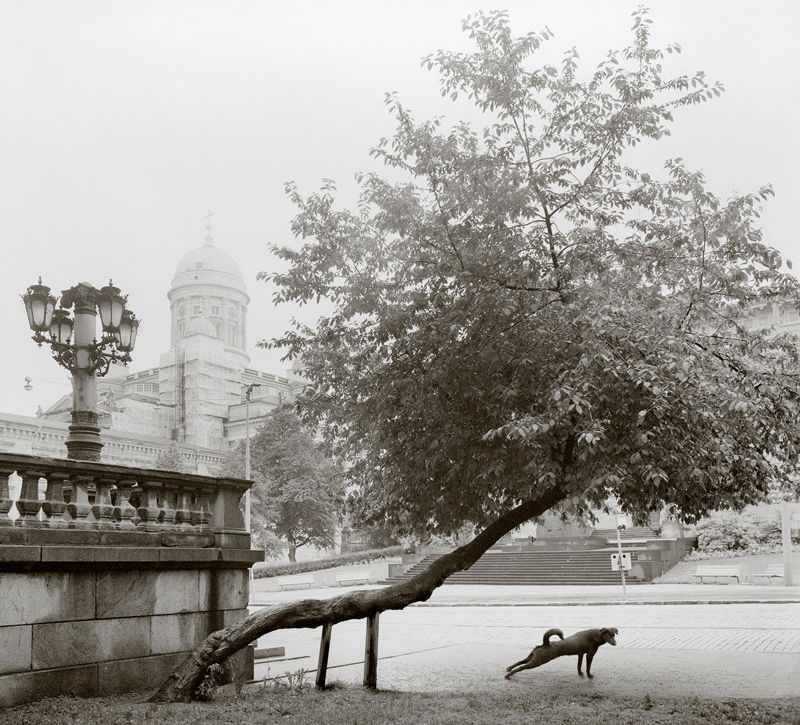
(753, 564)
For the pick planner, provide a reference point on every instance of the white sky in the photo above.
(123, 122)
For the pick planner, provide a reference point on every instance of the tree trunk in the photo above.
(218, 646)
(292, 553)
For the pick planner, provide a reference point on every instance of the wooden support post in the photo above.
(324, 649)
(371, 652)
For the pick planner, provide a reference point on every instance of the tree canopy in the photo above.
(171, 460)
(525, 311)
(527, 321)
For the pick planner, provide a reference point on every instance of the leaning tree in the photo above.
(523, 321)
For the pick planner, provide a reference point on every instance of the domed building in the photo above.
(209, 281)
(195, 397)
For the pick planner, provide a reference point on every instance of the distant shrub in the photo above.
(739, 535)
(356, 557)
(731, 533)
(767, 531)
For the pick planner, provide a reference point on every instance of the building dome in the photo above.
(209, 284)
(208, 265)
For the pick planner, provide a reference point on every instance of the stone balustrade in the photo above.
(64, 501)
(110, 575)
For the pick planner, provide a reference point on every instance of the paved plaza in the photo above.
(463, 639)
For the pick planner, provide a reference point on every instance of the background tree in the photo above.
(298, 491)
(171, 460)
(527, 322)
(262, 513)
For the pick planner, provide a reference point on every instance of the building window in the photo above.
(214, 310)
(197, 309)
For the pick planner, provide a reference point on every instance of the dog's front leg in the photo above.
(526, 665)
(516, 664)
(580, 662)
(589, 657)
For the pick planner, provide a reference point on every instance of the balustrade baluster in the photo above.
(102, 508)
(148, 507)
(201, 511)
(183, 512)
(5, 498)
(168, 506)
(28, 503)
(79, 508)
(54, 506)
(124, 513)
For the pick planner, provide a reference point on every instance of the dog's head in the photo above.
(607, 635)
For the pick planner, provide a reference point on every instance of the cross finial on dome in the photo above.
(209, 237)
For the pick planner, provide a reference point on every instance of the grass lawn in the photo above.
(357, 706)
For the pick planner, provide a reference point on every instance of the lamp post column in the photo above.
(83, 442)
(247, 392)
(247, 459)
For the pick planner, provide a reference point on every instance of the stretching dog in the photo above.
(581, 643)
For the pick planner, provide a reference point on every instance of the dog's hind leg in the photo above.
(580, 662)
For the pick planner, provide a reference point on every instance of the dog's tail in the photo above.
(551, 633)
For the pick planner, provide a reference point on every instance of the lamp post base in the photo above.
(83, 442)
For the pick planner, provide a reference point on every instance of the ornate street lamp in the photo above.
(75, 346)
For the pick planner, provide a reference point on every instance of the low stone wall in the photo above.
(96, 633)
(661, 555)
(375, 571)
(100, 596)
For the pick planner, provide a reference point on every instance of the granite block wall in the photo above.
(99, 632)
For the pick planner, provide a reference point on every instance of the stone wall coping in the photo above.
(228, 539)
(27, 557)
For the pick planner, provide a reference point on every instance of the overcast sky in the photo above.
(123, 123)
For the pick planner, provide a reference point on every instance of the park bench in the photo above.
(773, 570)
(305, 582)
(352, 577)
(728, 571)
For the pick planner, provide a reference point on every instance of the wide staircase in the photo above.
(586, 566)
(635, 532)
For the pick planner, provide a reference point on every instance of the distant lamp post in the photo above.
(247, 392)
(28, 385)
(75, 347)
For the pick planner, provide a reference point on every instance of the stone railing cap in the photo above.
(15, 461)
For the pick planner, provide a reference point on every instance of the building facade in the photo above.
(194, 398)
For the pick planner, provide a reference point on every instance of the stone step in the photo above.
(519, 568)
